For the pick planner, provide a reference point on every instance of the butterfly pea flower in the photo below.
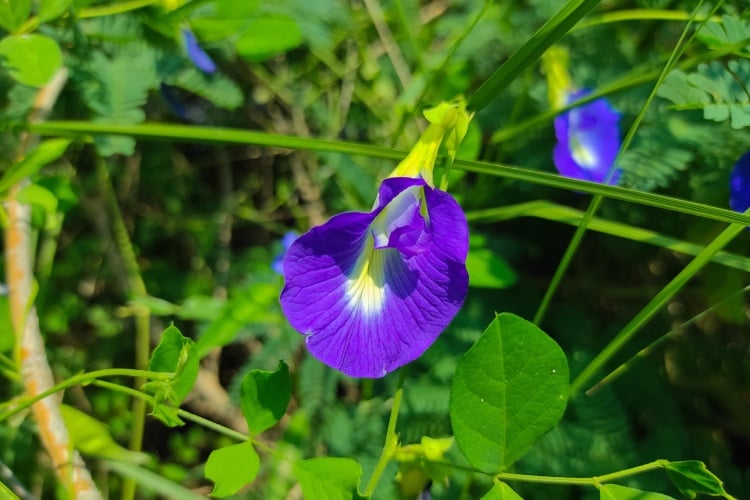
(739, 184)
(196, 53)
(371, 291)
(588, 136)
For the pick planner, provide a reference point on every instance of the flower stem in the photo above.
(391, 438)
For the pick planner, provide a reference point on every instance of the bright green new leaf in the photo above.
(178, 356)
(231, 468)
(52, 9)
(34, 194)
(268, 36)
(7, 339)
(692, 477)
(13, 13)
(7, 493)
(508, 390)
(487, 270)
(329, 478)
(44, 153)
(92, 437)
(617, 492)
(501, 491)
(264, 397)
(31, 59)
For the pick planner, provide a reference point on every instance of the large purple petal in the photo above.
(588, 140)
(365, 310)
(739, 184)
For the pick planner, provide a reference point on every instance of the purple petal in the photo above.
(365, 310)
(196, 53)
(588, 140)
(739, 184)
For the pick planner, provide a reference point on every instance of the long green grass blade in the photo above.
(554, 29)
(186, 133)
(654, 306)
(544, 209)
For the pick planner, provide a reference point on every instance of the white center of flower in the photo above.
(365, 288)
(582, 155)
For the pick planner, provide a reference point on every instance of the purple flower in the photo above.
(739, 184)
(371, 291)
(286, 241)
(196, 53)
(588, 140)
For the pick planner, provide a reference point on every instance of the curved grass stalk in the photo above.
(544, 209)
(159, 131)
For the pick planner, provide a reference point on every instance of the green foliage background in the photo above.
(182, 223)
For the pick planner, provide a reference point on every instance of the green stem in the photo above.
(161, 131)
(209, 424)
(391, 438)
(659, 341)
(655, 305)
(83, 379)
(583, 481)
(640, 15)
(115, 8)
(596, 202)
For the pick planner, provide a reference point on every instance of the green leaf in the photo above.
(264, 397)
(92, 437)
(34, 194)
(7, 339)
(152, 482)
(178, 356)
(720, 89)
(31, 59)
(6, 493)
(13, 13)
(731, 30)
(617, 492)
(508, 390)
(487, 270)
(44, 153)
(267, 36)
(501, 491)
(329, 478)
(692, 477)
(231, 468)
(52, 9)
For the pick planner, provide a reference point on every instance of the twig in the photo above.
(35, 369)
(389, 43)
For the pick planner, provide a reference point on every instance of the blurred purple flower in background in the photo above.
(196, 53)
(286, 241)
(588, 140)
(371, 291)
(739, 184)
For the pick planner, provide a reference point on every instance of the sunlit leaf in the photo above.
(488, 270)
(52, 9)
(231, 468)
(13, 13)
(329, 478)
(43, 154)
(617, 492)
(501, 491)
(31, 59)
(508, 390)
(92, 437)
(692, 478)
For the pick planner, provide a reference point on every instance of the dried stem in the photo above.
(35, 369)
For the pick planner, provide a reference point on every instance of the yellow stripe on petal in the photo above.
(365, 288)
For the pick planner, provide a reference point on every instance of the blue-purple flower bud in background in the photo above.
(196, 53)
(588, 138)
(371, 291)
(739, 184)
(286, 241)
